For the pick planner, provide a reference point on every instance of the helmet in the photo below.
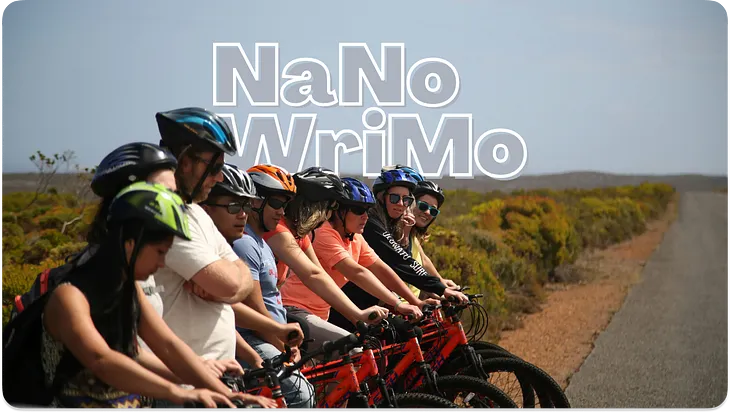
(393, 177)
(156, 205)
(357, 193)
(235, 182)
(127, 164)
(187, 126)
(319, 184)
(407, 169)
(270, 179)
(429, 188)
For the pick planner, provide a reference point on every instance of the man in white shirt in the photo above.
(199, 139)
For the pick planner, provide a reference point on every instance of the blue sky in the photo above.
(621, 86)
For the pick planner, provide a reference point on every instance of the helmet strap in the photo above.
(205, 175)
(342, 214)
(260, 211)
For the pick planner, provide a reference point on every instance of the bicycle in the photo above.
(486, 361)
(407, 349)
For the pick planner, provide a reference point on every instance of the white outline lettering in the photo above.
(379, 68)
(409, 79)
(431, 143)
(237, 81)
(293, 79)
(502, 176)
(365, 116)
(336, 137)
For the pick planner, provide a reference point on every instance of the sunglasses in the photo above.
(277, 203)
(426, 207)
(234, 208)
(358, 210)
(395, 199)
(215, 170)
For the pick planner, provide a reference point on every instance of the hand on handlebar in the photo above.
(372, 315)
(296, 356)
(451, 285)
(218, 367)
(207, 398)
(456, 294)
(429, 301)
(291, 334)
(408, 309)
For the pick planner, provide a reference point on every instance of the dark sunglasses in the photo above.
(215, 169)
(358, 210)
(234, 207)
(426, 207)
(276, 203)
(395, 199)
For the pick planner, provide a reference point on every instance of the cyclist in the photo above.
(418, 217)
(91, 320)
(226, 205)
(348, 258)
(199, 139)
(134, 162)
(383, 231)
(303, 281)
(276, 188)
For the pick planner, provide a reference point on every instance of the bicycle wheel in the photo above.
(514, 384)
(473, 392)
(547, 390)
(422, 400)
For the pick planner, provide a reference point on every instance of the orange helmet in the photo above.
(272, 179)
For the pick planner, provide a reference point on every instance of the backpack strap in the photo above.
(44, 280)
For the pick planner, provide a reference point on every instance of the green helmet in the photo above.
(154, 204)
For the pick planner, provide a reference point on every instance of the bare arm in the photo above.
(391, 280)
(306, 266)
(153, 363)
(227, 281)
(245, 352)
(266, 327)
(366, 280)
(67, 318)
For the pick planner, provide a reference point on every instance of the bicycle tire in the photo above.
(486, 394)
(422, 400)
(458, 365)
(483, 345)
(549, 393)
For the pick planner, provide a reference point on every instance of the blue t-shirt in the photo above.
(260, 260)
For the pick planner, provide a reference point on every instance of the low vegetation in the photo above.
(504, 245)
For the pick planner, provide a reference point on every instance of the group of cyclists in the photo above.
(195, 268)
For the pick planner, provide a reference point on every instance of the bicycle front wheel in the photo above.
(422, 400)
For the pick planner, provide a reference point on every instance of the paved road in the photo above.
(667, 345)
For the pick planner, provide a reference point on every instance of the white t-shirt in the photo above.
(153, 296)
(207, 327)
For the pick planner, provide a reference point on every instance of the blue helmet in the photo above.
(195, 126)
(127, 164)
(407, 169)
(393, 177)
(357, 193)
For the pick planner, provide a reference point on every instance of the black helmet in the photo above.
(319, 184)
(156, 205)
(429, 188)
(236, 182)
(127, 164)
(193, 126)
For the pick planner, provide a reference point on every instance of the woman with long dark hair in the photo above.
(92, 319)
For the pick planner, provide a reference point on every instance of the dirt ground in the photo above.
(558, 338)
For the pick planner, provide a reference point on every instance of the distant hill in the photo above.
(14, 182)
